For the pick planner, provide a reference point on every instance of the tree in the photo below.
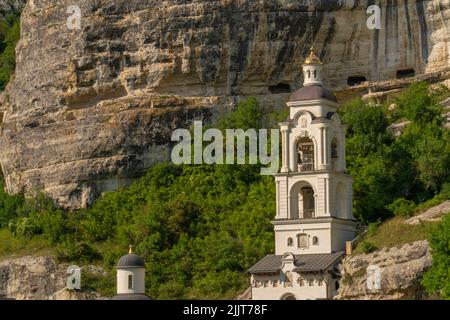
(9, 36)
(437, 279)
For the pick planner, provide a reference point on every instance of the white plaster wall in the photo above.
(300, 292)
(138, 280)
(321, 230)
(340, 234)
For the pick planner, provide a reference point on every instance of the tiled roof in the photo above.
(130, 261)
(312, 93)
(303, 262)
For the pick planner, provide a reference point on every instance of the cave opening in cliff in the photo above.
(280, 88)
(406, 73)
(356, 80)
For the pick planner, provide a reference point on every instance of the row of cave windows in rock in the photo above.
(401, 74)
(351, 81)
(354, 80)
(305, 154)
(303, 241)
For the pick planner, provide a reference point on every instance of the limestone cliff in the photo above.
(89, 110)
(37, 278)
(401, 270)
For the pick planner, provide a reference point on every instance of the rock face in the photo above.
(401, 272)
(89, 110)
(37, 278)
(435, 213)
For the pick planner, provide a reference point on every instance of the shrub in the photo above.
(9, 36)
(73, 250)
(24, 227)
(437, 279)
(402, 207)
(52, 224)
(368, 247)
(8, 206)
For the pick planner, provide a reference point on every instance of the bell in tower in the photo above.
(314, 217)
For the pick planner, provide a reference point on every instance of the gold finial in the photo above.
(312, 58)
(130, 251)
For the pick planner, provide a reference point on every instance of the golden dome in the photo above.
(312, 58)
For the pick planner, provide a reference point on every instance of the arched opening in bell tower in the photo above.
(334, 153)
(302, 201)
(305, 154)
(341, 207)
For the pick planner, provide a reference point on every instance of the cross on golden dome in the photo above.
(312, 58)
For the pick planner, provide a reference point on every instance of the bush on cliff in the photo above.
(9, 36)
(437, 279)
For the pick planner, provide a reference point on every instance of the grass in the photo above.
(395, 232)
(11, 247)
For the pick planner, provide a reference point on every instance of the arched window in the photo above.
(315, 74)
(310, 283)
(309, 74)
(315, 241)
(320, 283)
(130, 282)
(341, 204)
(305, 154)
(301, 282)
(290, 242)
(302, 240)
(334, 149)
(307, 197)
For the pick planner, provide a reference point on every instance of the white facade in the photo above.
(131, 281)
(313, 195)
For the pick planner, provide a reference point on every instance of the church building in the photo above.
(131, 278)
(314, 217)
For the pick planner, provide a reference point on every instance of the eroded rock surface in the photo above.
(89, 110)
(401, 269)
(38, 278)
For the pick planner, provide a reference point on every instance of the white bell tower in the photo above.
(314, 217)
(314, 192)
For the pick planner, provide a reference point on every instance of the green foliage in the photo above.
(9, 36)
(104, 285)
(367, 247)
(419, 106)
(247, 115)
(414, 167)
(437, 279)
(72, 250)
(8, 205)
(402, 207)
(200, 227)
